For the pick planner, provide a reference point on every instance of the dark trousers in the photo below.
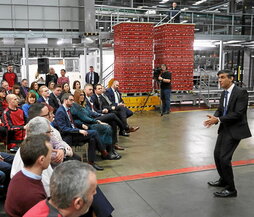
(113, 121)
(75, 139)
(223, 152)
(165, 98)
(123, 113)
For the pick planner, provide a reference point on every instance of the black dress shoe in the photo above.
(217, 183)
(123, 133)
(118, 156)
(96, 166)
(111, 156)
(226, 193)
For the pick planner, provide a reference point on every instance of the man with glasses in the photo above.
(73, 135)
(44, 92)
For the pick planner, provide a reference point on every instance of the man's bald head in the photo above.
(115, 85)
(10, 97)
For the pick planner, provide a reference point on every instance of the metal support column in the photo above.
(101, 60)
(26, 59)
(221, 60)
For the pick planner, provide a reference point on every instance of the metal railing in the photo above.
(107, 74)
(209, 23)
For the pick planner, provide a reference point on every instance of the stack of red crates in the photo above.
(133, 50)
(173, 46)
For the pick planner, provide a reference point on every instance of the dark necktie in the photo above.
(225, 102)
(71, 119)
(100, 102)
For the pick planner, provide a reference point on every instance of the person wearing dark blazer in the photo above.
(92, 77)
(51, 76)
(102, 104)
(116, 97)
(72, 134)
(232, 116)
(54, 100)
(24, 88)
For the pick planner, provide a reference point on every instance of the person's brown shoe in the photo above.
(117, 147)
(133, 129)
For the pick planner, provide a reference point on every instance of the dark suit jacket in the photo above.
(62, 121)
(110, 94)
(96, 78)
(53, 102)
(22, 91)
(236, 118)
(41, 99)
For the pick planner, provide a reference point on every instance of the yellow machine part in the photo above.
(136, 103)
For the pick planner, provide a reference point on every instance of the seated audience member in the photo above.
(44, 94)
(116, 97)
(75, 198)
(63, 79)
(16, 91)
(76, 85)
(6, 86)
(102, 104)
(40, 125)
(81, 117)
(46, 111)
(3, 106)
(30, 99)
(34, 88)
(5, 171)
(51, 76)
(65, 89)
(111, 118)
(14, 120)
(3, 102)
(51, 86)
(73, 135)
(26, 189)
(24, 88)
(54, 100)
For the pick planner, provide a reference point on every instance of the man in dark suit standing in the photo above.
(231, 114)
(92, 77)
(174, 13)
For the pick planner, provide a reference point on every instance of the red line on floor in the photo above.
(169, 172)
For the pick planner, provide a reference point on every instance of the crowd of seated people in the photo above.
(91, 115)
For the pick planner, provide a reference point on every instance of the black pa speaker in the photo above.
(43, 65)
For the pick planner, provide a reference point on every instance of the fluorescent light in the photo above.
(184, 9)
(64, 41)
(199, 2)
(203, 44)
(232, 42)
(163, 1)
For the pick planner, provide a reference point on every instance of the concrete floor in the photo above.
(175, 141)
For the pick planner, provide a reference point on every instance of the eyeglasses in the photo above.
(45, 115)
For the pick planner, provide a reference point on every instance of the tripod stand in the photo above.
(151, 93)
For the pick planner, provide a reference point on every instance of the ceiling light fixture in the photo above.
(199, 2)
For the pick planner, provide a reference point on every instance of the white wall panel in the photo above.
(19, 2)
(5, 1)
(36, 13)
(5, 24)
(20, 12)
(51, 24)
(74, 3)
(51, 13)
(21, 24)
(43, 2)
(5, 12)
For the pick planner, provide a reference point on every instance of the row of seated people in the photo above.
(82, 114)
(31, 174)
